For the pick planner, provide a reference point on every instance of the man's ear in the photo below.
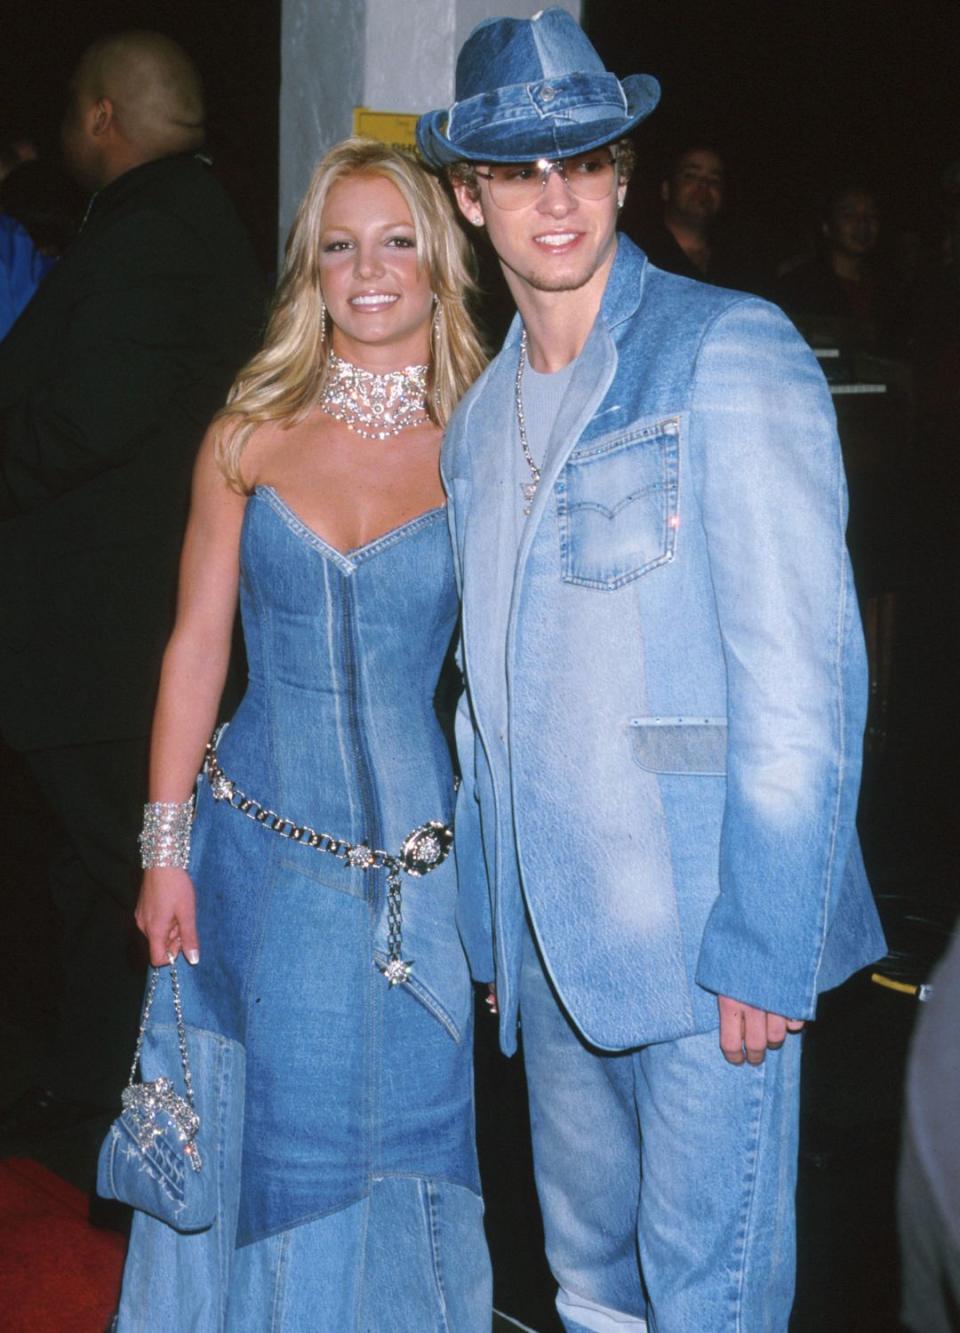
(468, 203)
(101, 116)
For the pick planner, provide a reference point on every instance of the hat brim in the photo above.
(522, 139)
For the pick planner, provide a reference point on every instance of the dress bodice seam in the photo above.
(346, 561)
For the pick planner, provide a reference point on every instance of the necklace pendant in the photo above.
(528, 490)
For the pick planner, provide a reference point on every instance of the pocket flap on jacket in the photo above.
(680, 744)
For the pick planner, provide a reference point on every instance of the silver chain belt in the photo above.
(423, 850)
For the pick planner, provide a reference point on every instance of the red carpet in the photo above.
(57, 1273)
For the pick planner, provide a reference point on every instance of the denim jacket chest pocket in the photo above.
(617, 505)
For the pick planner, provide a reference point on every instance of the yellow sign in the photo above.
(391, 127)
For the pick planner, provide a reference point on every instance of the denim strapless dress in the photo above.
(352, 1086)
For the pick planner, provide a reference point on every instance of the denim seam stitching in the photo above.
(666, 435)
(433, 1006)
(623, 439)
(373, 1086)
(641, 728)
(300, 529)
(224, 1085)
(278, 1230)
(279, 1286)
(362, 1259)
(749, 1200)
(708, 329)
(316, 877)
(379, 544)
(838, 771)
(430, 1193)
(269, 864)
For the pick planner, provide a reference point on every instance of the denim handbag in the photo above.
(151, 1156)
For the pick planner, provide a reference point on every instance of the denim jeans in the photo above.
(408, 1258)
(666, 1177)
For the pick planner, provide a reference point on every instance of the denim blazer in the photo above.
(670, 755)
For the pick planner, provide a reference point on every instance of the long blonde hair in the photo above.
(285, 379)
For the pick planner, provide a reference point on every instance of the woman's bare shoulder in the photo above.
(269, 439)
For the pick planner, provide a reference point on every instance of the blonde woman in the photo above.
(321, 934)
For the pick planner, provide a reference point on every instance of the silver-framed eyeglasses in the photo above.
(516, 184)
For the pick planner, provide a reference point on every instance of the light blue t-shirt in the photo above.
(542, 396)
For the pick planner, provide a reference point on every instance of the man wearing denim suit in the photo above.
(661, 735)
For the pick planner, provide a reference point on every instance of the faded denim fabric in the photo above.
(670, 1152)
(675, 760)
(405, 1259)
(661, 747)
(529, 88)
(348, 1084)
(337, 729)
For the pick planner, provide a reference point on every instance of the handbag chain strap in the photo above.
(181, 1027)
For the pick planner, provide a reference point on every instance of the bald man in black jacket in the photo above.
(107, 383)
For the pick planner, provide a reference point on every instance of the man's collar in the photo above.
(624, 290)
(130, 181)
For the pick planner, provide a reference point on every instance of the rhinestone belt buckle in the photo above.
(426, 848)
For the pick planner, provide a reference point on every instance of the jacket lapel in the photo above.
(484, 518)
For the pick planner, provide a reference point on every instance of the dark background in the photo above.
(236, 46)
(795, 94)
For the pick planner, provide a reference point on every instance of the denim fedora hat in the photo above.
(528, 88)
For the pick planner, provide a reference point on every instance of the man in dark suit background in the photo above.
(107, 383)
(681, 239)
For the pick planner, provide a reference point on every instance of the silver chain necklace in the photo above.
(375, 406)
(528, 489)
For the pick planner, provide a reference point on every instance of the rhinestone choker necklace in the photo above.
(375, 406)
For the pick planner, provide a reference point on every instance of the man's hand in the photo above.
(746, 1032)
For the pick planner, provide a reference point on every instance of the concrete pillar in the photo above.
(384, 54)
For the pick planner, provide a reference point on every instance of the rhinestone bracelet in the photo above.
(165, 838)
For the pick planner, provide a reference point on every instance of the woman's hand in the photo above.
(166, 914)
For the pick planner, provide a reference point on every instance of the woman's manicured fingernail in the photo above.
(193, 956)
